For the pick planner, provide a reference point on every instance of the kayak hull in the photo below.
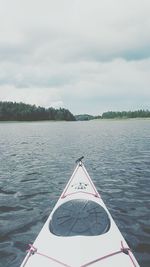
(72, 248)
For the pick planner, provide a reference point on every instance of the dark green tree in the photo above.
(10, 111)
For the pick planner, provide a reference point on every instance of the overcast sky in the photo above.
(89, 56)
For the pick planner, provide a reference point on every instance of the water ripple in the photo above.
(37, 160)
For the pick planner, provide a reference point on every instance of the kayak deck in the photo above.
(80, 231)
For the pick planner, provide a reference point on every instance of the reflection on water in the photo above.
(37, 159)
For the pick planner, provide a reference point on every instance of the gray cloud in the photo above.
(88, 56)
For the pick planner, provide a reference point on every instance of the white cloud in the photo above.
(46, 97)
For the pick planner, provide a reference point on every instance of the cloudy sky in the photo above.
(89, 56)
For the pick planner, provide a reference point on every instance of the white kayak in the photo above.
(80, 231)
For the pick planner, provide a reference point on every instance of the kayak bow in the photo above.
(80, 231)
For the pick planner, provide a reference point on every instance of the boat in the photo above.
(80, 231)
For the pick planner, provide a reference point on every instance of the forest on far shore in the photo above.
(115, 115)
(12, 111)
(126, 114)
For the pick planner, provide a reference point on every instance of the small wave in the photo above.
(33, 195)
(8, 228)
(28, 180)
(33, 173)
(17, 194)
(146, 230)
(7, 256)
(143, 247)
(6, 192)
(8, 208)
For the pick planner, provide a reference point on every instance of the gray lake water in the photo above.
(38, 158)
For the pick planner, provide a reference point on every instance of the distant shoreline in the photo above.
(21, 112)
(116, 115)
(57, 121)
(124, 119)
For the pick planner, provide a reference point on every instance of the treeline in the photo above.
(126, 114)
(115, 115)
(84, 117)
(12, 111)
(87, 117)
